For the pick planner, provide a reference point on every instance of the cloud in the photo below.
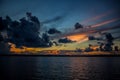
(98, 17)
(105, 22)
(65, 40)
(57, 18)
(26, 32)
(53, 31)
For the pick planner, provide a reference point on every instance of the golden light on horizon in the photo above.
(16, 50)
(22, 49)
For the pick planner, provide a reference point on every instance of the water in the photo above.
(60, 68)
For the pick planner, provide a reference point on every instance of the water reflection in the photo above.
(60, 68)
(17, 68)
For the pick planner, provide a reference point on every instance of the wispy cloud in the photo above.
(97, 17)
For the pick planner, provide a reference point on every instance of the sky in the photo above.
(98, 13)
(72, 10)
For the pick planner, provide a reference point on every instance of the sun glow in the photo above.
(78, 37)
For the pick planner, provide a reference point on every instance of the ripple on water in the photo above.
(61, 68)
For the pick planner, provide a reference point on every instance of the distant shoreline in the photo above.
(38, 55)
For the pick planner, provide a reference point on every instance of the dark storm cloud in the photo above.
(24, 32)
(53, 31)
(65, 40)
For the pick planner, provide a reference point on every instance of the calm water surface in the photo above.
(60, 68)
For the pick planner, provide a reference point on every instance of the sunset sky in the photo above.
(99, 14)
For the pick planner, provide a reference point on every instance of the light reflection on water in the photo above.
(60, 68)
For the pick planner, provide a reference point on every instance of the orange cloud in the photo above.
(78, 37)
(23, 49)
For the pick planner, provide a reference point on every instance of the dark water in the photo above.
(60, 68)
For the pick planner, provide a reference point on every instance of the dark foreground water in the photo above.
(59, 68)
